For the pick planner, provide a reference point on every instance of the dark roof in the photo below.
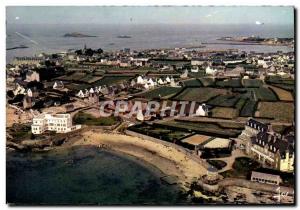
(271, 141)
(257, 125)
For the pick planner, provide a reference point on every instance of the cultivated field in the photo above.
(280, 111)
(199, 94)
(282, 94)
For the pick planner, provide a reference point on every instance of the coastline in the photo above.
(165, 161)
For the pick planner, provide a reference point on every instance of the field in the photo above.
(163, 92)
(202, 128)
(110, 80)
(264, 94)
(159, 132)
(88, 119)
(192, 83)
(282, 94)
(207, 82)
(280, 111)
(252, 82)
(248, 109)
(224, 101)
(284, 83)
(231, 83)
(73, 77)
(224, 112)
(199, 94)
(89, 78)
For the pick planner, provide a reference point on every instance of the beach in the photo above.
(169, 160)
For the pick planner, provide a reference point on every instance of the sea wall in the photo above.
(254, 185)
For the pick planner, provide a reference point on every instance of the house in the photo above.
(61, 123)
(202, 110)
(32, 76)
(80, 94)
(210, 71)
(58, 85)
(265, 178)
(252, 128)
(272, 150)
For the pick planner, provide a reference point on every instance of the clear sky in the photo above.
(150, 15)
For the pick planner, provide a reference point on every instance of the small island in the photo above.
(17, 47)
(78, 35)
(124, 37)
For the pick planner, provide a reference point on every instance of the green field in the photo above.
(224, 100)
(252, 83)
(164, 92)
(199, 94)
(110, 80)
(202, 128)
(88, 119)
(230, 83)
(248, 109)
(192, 83)
(207, 82)
(225, 112)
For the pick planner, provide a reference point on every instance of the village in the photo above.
(243, 105)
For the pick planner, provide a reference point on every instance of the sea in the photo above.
(85, 175)
(49, 38)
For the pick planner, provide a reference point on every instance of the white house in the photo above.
(61, 123)
(58, 85)
(80, 94)
(210, 71)
(160, 81)
(29, 92)
(140, 80)
(202, 110)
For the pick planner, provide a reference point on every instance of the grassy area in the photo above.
(282, 94)
(252, 83)
(202, 128)
(207, 82)
(230, 83)
(89, 78)
(218, 164)
(110, 80)
(199, 94)
(164, 92)
(224, 112)
(281, 111)
(88, 119)
(248, 109)
(242, 168)
(192, 83)
(265, 94)
(224, 100)
(159, 132)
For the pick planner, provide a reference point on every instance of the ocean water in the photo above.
(49, 38)
(84, 176)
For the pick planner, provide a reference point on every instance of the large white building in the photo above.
(61, 123)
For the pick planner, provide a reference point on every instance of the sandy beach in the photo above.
(169, 160)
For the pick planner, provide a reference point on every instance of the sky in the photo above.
(149, 15)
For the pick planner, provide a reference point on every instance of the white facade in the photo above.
(61, 123)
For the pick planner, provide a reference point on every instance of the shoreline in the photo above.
(165, 161)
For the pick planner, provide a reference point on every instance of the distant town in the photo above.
(237, 147)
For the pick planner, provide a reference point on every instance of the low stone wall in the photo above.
(208, 187)
(254, 185)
